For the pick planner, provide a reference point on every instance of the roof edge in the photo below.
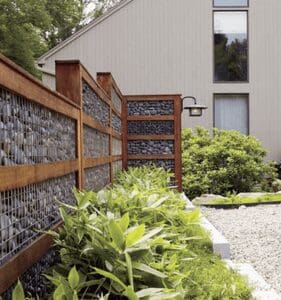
(41, 60)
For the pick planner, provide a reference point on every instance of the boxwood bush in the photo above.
(224, 162)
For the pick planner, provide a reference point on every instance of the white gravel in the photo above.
(254, 234)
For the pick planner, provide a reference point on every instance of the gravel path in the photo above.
(254, 234)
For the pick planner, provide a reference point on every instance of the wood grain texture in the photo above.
(94, 162)
(22, 175)
(89, 121)
(178, 147)
(125, 132)
(68, 80)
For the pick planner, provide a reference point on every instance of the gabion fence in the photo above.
(50, 142)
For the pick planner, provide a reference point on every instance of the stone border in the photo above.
(220, 244)
(262, 290)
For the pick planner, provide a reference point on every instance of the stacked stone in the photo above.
(97, 178)
(24, 211)
(150, 108)
(96, 144)
(116, 167)
(150, 127)
(117, 102)
(116, 123)
(94, 106)
(116, 147)
(167, 164)
(151, 147)
(33, 280)
(31, 133)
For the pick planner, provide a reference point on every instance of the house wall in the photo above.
(164, 46)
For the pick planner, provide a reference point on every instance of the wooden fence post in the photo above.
(69, 83)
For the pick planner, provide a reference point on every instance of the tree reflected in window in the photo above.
(231, 46)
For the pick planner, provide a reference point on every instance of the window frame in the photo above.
(232, 94)
(248, 52)
(231, 6)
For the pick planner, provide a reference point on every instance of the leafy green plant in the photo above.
(134, 241)
(226, 162)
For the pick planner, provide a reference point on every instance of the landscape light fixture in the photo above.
(195, 110)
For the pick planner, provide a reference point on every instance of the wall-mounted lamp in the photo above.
(195, 110)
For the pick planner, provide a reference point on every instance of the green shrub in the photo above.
(226, 162)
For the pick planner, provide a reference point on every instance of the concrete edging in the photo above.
(220, 244)
(262, 290)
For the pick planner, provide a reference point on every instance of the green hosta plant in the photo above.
(115, 257)
(135, 241)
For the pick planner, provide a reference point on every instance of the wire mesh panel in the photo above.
(116, 167)
(116, 147)
(31, 134)
(97, 178)
(150, 127)
(24, 211)
(116, 100)
(96, 144)
(116, 123)
(151, 147)
(150, 108)
(94, 106)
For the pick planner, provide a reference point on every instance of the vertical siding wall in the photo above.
(167, 46)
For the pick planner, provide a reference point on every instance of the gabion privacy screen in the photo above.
(153, 132)
(51, 142)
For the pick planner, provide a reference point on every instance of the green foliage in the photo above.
(137, 241)
(28, 28)
(237, 200)
(227, 162)
(21, 24)
(18, 292)
(276, 185)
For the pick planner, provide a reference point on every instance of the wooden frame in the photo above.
(176, 137)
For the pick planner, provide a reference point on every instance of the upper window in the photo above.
(231, 3)
(230, 46)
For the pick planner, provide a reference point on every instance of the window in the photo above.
(232, 112)
(231, 3)
(230, 46)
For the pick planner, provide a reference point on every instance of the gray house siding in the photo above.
(164, 46)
